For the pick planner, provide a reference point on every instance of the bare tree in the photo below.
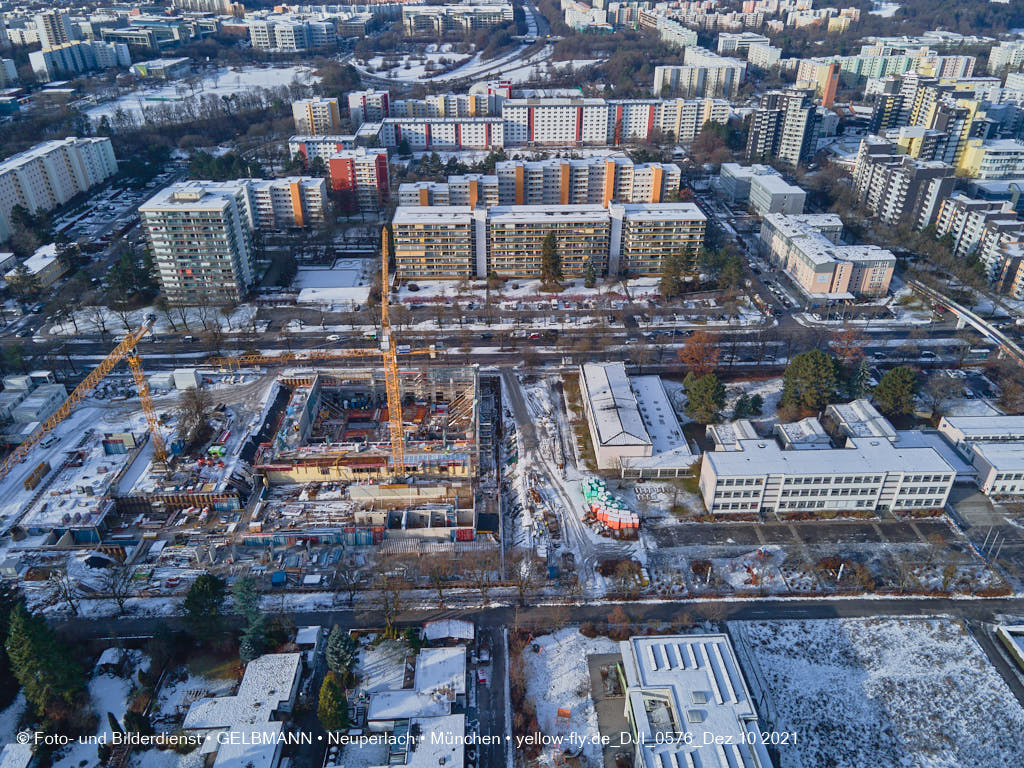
(439, 572)
(193, 415)
(65, 590)
(98, 316)
(117, 584)
(391, 585)
(522, 572)
(478, 567)
(349, 580)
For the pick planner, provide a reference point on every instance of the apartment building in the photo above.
(734, 179)
(441, 132)
(360, 176)
(669, 30)
(51, 173)
(294, 201)
(507, 240)
(808, 248)
(438, 19)
(552, 121)
(310, 148)
(318, 117)
(996, 159)
(964, 219)
(291, 35)
(77, 57)
(54, 28)
(770, 193)
(438, 242)
(1008, 55)
(8, 73)
(595, 181)
(703, 74)
(763, 56)
(758, 476)
(471, 189)
(738, 43)
(369, 106)
(200, 235)
(784, 128)
(897, 188)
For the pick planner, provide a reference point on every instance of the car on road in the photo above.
(334, 337)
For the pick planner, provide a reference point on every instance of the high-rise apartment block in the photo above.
(50, 174)
(368, 106)
(201, 232)
(309, 148)
(360, 176)
(318, 117)
(201, 236)
(784, 127)
(454, 242)
(54, 28)
(703, 74)
(896, 188)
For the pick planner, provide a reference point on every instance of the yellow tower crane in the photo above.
(388, 349)
(124, 350)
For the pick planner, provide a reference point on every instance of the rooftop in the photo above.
(860, 418)
(267, 684)
(441, 671)
(613, 405)
(1001, 456)
(977, 426)
(764, 457)
(433, 214)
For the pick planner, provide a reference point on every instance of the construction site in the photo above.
(301, 466)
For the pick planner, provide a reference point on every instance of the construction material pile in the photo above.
(608, 508)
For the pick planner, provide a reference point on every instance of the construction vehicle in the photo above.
(123, 351)
(387, 348)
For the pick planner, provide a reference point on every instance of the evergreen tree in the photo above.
(203, 607)
(860, 381)
(896, 390)
(810, 380)
(756, 405)
(341, 654)
(589, 274)
(8, 683)
(742, 408)
(246, 595)
(332, 710)
(42, 664)
(705, 397)
(550, 260)
(671, 275)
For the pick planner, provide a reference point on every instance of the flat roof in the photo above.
(432, 214)
(267, 682)
(441, 671)
(1002, 456)
(986, 425)
(613, 405)
(511, 214)
(693, 685)
(765, 457)
(860, 418)
(658, 415)
(775, 184)
(662, 211)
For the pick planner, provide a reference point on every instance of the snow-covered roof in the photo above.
(441, 670)
(307, 635)
(442, 742)
(613, 404)
(256, 748)
(765, 457)
(985, 427)
(16, 755)
(859, 418)
(110, 657)
(445, 628)
(1001, 456)
(727, 435)
(404, 704)
(267, 683)
(690, 684)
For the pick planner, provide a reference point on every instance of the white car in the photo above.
(334, 337)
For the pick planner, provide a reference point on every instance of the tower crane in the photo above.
(387, 349)
(125, 350)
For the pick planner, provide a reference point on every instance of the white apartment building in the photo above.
(770, 193)
(595, 181)
(438, 19)
(1008, 55)
(703, 75)
(763, 56)
(323, 147)
(294, 201)
(319, 116)
(967, 221)
(286, 34)
(758, 476)
(993, 159)
(50, 174)
(79, 56)
(730, 43)
(471, 189)
(370, 106)
(54, 28)
(201, 237)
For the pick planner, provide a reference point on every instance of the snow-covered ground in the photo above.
(220, 82)
(900, 693)
(558, 678)
(414, 66)
(885, 10)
